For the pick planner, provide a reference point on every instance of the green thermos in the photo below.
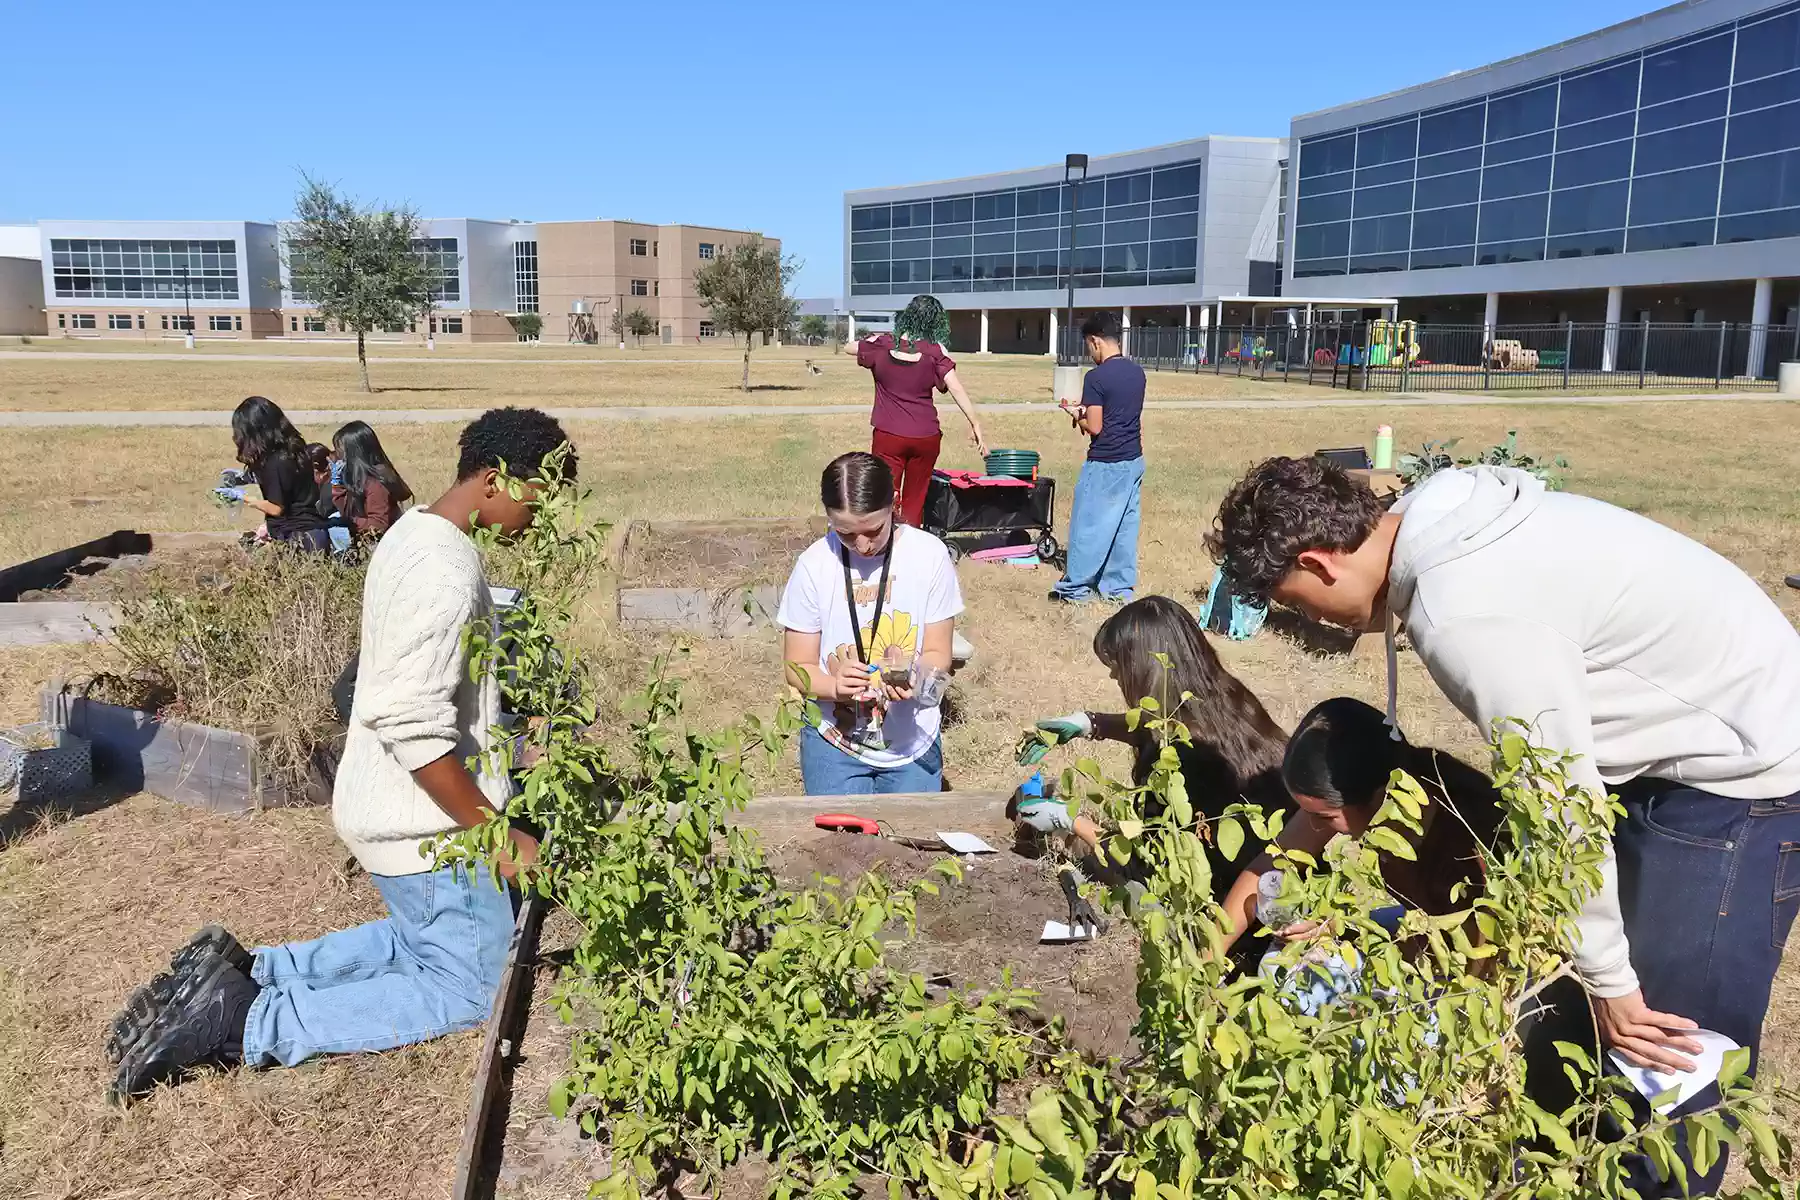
(1384, 448)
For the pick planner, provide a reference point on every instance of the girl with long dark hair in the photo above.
(868, 618)
(1337, 767)
(1155, 649)
(909, 365)
(369, 493)
(276, 455)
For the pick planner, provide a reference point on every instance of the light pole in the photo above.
(1071, 163)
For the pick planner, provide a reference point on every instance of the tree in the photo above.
(639, 324)
(745, 289)
(361, 267)
(527, 325)
(814, 328)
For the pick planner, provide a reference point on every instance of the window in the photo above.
(82, 320)
(1599, 93)
(1686, 70)
(640, 287)
(525, 277)
(1768, 47)
(706, 252)
(656, 287)
(183, 322)
(655, 249)
(1585, 209)
(293, 324)
(441, 258)
(218, 323)
(1676, 196)
(140, 269)
(118, 320)
(62, 320)
(706, 329)
(639, 247)
(140, 320)
(452, 324)
(314, 324)
(1769, 181)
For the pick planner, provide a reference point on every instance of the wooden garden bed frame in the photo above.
(714, 612)
(53, 622)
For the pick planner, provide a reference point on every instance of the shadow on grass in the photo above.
(429, 389)
(1311, 636)
(21, 820)
(768, 387)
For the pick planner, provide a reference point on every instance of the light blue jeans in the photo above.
(430, 968)
(828, 771)
(1103, 532)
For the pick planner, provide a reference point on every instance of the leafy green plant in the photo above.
(1433, 457)
(723, 1015)
(527, 325)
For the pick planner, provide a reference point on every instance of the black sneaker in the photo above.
(147, 1000)
(201, 1025)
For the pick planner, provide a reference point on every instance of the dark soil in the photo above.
(973, 930)
(715, 555)
(192, 568)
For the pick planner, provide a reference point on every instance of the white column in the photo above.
(850, 326)
(1759, 328)
(1609, 349)
(1205, 324)
(1187, 316)
(1125, 328)
(1052, 350)
(984, 331)
(1491, 316)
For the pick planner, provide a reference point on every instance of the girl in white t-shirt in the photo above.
(868, 613)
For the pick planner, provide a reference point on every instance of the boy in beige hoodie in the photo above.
(432, 965)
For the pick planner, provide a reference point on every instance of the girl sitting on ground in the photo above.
(1337, 767)
(276, 455)
(1233, 754)
(370, 493)
(869, 612)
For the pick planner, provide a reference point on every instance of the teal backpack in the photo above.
(1228, 613)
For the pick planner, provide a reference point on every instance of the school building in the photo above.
(229, 279)
(1649, 171)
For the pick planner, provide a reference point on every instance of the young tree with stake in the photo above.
(360, 267)
(745, 288)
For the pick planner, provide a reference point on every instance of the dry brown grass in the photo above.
(87, 907)
(90, 907)
(777, 376)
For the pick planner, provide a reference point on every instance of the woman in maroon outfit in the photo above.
(908, 367)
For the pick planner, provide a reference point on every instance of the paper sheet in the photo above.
(503, 597)
(1056, 931)
(964, 843)
(1652, 1083)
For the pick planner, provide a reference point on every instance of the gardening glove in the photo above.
(1082, 917)
(1050, 733)
(1035, 803)
(229, 495)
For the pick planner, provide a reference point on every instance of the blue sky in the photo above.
(753, 116)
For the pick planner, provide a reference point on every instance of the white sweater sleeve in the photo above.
(1492, 667)
(407, 696)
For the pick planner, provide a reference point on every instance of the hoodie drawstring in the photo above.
(1393, 676)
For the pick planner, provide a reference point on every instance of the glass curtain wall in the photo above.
(1132, 229)
(1692, 143)
(132, 269)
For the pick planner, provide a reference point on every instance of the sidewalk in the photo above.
(702, 412)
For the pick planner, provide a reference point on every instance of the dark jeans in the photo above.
(1709, 888)
(316, 540)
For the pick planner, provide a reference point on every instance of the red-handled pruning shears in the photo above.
(850, 823)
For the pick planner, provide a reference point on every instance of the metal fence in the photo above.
(1408, 357)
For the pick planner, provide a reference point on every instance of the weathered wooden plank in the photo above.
(511, 1004)
(55, 622)
(726, 612)
(49, 569)
(177, 760)
(916, 813)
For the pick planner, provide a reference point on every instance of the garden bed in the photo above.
(72, 595)
(709, 577)
(970, 934)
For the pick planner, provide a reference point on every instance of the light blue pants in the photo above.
(430, 968)
(828, 771)
(1103, 532)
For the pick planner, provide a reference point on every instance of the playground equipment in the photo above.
(1392, 344)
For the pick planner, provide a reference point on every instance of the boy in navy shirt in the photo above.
(1103, 525)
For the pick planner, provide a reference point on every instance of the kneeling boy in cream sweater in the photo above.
(432, 966)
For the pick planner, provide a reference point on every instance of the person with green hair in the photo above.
(909, 365)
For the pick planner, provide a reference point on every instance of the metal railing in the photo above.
(1408, 357)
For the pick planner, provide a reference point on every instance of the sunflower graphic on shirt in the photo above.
(894, 629)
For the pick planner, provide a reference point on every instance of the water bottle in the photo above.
(1384, 448)
(1270, 911)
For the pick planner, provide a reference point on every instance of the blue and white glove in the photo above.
(229, 495)
(1050, 733)
(1035, 804)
